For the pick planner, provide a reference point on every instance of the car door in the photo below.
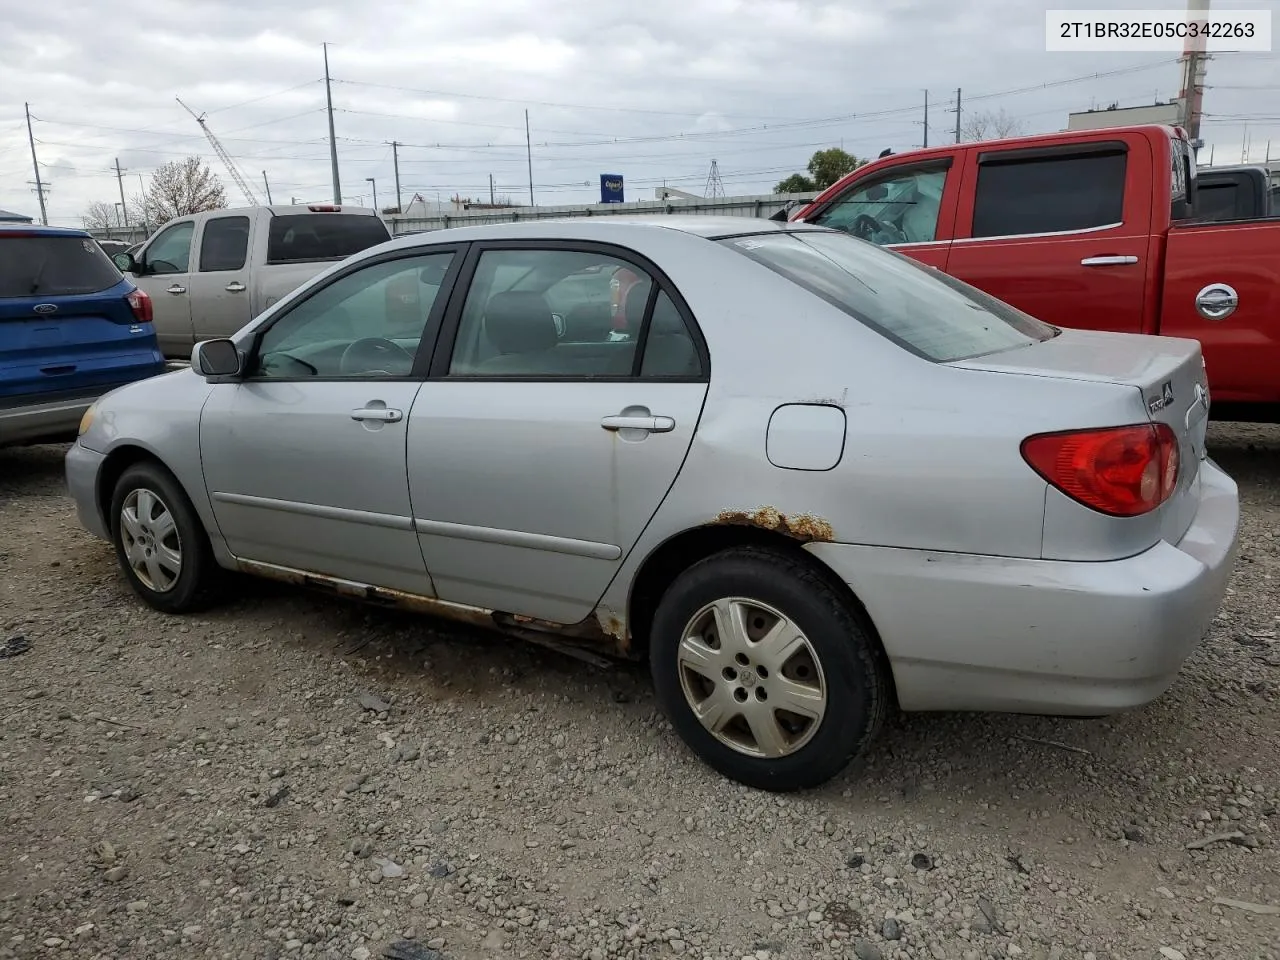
(910, 207)
(304, 457)
(537, 454)
(1222, 287)
(164, 273)
(219, 287)
(1059, 232)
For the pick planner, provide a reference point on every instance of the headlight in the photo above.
(87, 420)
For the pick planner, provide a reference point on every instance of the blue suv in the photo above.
(71, 329)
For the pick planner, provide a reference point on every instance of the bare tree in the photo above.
(986, 125)
(100, 216)
(183, 187)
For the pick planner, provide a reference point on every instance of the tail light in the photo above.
(1120, 471)
(140, 304)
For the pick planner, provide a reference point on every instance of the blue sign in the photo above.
(611, 188)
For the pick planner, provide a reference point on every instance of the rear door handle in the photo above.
(59, 371)
(176, 289)
(1110, 261)
(385, 414)
(235, 286)
(651, 424)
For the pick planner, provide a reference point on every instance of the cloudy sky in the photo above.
(651, 90)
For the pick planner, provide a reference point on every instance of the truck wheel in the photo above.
(766, 671)
(160, 542)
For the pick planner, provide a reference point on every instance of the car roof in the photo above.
(40, 230)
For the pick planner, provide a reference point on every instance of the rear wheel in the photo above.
(766, 670)
(160, 542)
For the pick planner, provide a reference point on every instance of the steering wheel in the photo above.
(865, 227)
(375, 355)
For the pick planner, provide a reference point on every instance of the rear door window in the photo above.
(921, 309)
(1020, 194)
(48, 266)
(312, 237)
(224, 245)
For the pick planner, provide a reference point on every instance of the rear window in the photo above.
(1219, 201)
(923, 310)
(36, 266)
(309, 237)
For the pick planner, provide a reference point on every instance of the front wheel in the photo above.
(766, 670)
(160, 542)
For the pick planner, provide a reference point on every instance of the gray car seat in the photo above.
(520, 325)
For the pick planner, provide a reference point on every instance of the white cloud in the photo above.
(652, 91)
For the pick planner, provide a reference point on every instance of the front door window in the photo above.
(366, 325)
(171, 251)
(898, 208)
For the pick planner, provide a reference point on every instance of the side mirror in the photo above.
(125, 263)
(216, 358)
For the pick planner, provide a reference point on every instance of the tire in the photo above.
(835, 672)
(151, 493)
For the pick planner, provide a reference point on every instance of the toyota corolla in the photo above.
(811, 480)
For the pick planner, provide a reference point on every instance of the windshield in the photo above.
(919, 308)
(49, 266)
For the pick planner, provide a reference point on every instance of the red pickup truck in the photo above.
(1094, 229)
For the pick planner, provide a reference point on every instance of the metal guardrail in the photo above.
(762, 205)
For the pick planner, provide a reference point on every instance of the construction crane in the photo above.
(223, 156)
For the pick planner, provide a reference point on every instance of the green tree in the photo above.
(796, 183)
(825, 168)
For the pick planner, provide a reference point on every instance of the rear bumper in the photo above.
(46, 421)
(82, 466)
(1044, 636)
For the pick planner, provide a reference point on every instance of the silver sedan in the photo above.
(808, 479)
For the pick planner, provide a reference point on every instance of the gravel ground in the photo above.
(292, 776)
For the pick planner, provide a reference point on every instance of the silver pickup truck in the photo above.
(211, 273)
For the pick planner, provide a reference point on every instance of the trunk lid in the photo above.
(71, 344)
(1168, 372)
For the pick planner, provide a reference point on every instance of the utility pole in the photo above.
(120, 183)
(395, 162)
(491, 200)
(333, 143)
(528, 150)
(35, 165)
(267, 184)
(1193, 60)
(374, 184)
(926, 118)
(142, 196)
(957, 114)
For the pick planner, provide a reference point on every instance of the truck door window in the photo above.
(1054, 193)
(224, 244)
(899, 208)
(171, 251)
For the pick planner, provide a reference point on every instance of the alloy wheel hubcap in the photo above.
(149, 535)
(751, 677)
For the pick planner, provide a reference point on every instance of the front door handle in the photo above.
(177, 289)
(235, 286)
(1109, 261)
(651, 424)
(384, 414)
